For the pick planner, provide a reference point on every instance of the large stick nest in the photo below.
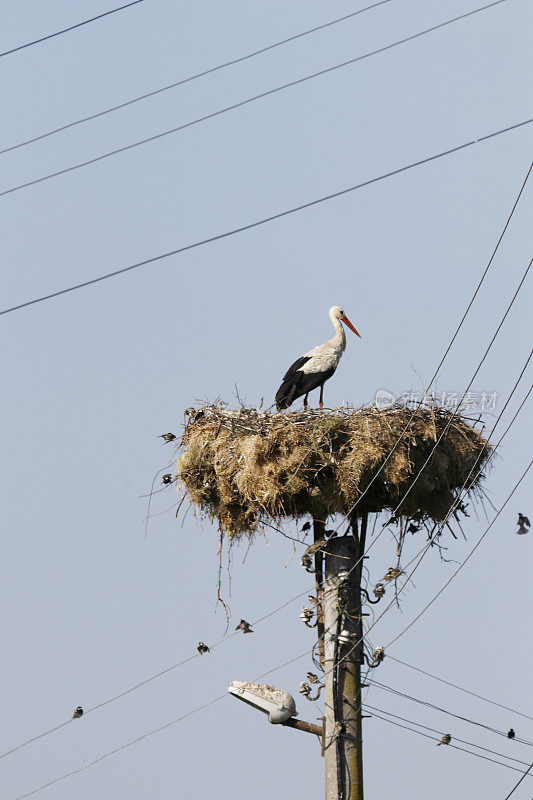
(246, 468)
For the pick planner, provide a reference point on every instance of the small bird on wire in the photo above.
(312, 678)
(446, 739)
(78, 713)
(313, 369)
(523, 524)
(203, 648)
(378, 654)
(510, 733)
(306, 526)
(307, 562)
(305, 689)
(168, 437)
(244, 627)
(392, 574)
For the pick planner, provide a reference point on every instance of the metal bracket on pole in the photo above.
(300, 725)
(309, 727)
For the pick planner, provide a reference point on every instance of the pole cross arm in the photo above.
(308, 727)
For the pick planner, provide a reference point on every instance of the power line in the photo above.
(265, 220)
(194, 77)
(122, 747)
(243, 102)
(461, 688)
(469, 481)
(459, 568)
(455, 738)
(148, 680)
(152, 732)
(446, 711)
(71, 28)
(454, 746)
(515, 787)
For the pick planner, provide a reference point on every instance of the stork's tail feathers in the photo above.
(286, 395)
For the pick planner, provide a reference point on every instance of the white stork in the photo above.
(315, 367)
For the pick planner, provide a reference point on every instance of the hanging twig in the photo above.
(219, 589)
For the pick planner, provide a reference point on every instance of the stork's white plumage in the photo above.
(315, 367)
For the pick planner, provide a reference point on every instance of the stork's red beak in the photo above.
(350, 326)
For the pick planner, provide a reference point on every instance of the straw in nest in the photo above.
(246, 468)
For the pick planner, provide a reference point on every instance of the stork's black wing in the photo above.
(297, 383)
(298, 364)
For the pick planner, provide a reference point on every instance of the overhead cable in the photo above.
(462, 564)
(460, 688)
(265, 220)
(147, 680)
(428, 704)
(70, 28)
(455, 738)
(152, 732)
(122, 747)
(515, 787)
(242, 103)
(193, 77)
(454, 747)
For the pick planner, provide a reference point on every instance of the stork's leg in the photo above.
(305, 400)
(321, 403)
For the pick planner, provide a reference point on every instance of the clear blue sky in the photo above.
(90, 379)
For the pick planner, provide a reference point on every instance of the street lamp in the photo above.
(278, 704)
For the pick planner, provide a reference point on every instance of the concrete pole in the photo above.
(318, 535)
(342, 621)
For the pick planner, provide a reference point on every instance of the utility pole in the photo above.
(319, 534)
(343, 657)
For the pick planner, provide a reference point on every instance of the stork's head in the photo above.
(336, 312)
